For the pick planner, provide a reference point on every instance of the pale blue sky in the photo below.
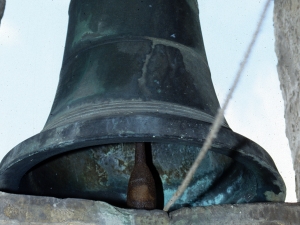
(32, 39)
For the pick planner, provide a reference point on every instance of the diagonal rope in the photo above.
(220, 116)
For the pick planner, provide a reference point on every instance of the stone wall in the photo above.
(287, 47)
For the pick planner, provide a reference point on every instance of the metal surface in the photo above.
(137, 72)
(141, 191)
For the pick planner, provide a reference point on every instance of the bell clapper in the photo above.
(141, 193)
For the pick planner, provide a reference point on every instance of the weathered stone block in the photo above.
(25, 209)
(287, 46)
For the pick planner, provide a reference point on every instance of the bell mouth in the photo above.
(102, 173)
(174, 139)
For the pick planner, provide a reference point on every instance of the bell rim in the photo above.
(78, 135)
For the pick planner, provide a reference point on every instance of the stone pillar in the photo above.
(287, 47)
(2, 7)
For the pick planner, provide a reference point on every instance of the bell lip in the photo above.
(151, 127)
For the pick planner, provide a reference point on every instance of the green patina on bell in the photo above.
(136, 71)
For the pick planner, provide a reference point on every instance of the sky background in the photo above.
(32, 39)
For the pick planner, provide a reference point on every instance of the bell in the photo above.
(137, 72)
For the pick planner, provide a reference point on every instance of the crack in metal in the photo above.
(142, 79)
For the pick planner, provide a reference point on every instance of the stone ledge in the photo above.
(25, 209)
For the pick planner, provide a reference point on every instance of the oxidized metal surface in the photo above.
(114, 58)
(137, 72)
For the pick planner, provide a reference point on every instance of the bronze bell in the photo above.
(136, 71)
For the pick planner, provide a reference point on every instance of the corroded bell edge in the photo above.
(74, 136)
